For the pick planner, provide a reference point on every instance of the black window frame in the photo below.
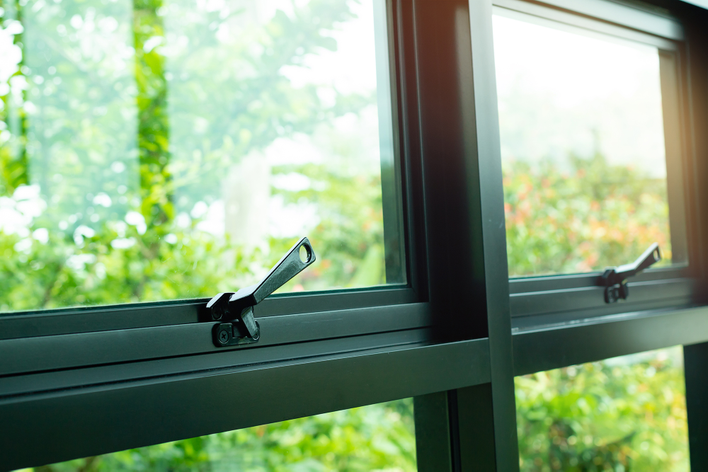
(80, 382)
(564, 297)
(557, 322)
(546, 308)
(90, 380)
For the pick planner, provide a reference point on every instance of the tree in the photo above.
(620, 415)
(104, 158)
(108, 181)
(593, 216)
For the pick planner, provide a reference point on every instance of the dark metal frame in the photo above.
(80, 382)
(567, 297)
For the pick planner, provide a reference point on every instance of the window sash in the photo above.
(561, 297)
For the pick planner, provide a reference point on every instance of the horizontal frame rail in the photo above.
(144, 315)
(79, 422)
(590, 300)
(42, 382)
(47, 353)
(589, 340)
(520, 285)
(629, 16)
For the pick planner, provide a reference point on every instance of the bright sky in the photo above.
(352, 68)
(558, 88)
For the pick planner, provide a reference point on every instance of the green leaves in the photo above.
(593, 216)
(622, 414)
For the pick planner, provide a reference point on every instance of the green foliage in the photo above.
(127, 246)
(13, 156)
(110, 174)
(614, 415)
(349, 204)
(600, 416)
(594, 216)
(153, 125)
(90, 235)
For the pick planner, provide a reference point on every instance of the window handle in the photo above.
(615, 278)
(235, 310)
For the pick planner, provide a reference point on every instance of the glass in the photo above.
(375, 437)
(155, 150)
(583, 147)
(625, 413)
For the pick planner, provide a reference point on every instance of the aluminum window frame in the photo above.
(560, 298)
(570, 330)
(60, 327)
(86, 381)
(446, 339)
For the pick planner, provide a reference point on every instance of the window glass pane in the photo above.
(375, 437)
(583, 147)
(162, 149)
(625, 413)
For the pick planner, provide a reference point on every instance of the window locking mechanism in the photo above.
(234, 311)
(615, 278)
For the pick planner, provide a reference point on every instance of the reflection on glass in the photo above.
(375, 437)
(626, 413)
(170, 149)
(583, 151)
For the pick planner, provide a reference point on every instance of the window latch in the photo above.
(615, 278)
(234, 311)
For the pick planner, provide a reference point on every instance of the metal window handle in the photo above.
(614, 279)
(235, 310)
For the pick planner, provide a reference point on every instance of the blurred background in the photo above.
(157, 150)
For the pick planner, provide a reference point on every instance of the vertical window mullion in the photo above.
(465, 231)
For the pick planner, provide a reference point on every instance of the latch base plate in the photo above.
(229, 334)
(617, 292)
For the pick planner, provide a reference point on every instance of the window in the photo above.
(157, 152)
(583, 148)
(626, 412)
(592, 160)
(171, 150)
(392, 161)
